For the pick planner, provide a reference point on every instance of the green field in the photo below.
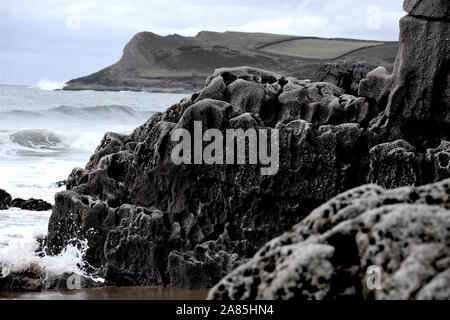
(317, 48)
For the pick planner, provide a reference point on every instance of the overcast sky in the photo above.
(58, 40)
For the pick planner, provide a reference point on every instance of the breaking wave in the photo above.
(38, 139)
(23, 254)
(45, 84)
(94, 113)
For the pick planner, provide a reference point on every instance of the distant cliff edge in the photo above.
(180, 64)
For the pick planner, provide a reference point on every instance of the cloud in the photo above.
(67, 39)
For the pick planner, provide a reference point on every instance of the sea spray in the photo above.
(25, 255)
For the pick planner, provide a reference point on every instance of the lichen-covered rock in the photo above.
(402, 232)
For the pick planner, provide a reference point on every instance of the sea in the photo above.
(44, 134)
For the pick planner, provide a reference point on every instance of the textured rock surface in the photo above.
(149, 221)
(376, 86)
(418, 108)
(112, 201)
(405, 232)
(5, 200)
(345, 75)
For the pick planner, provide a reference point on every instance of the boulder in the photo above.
(400, 233)
(31, 204)
(421, 79)
(376, 86)
(5, 200)
(215, 90)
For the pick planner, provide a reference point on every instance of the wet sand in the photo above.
(112, 293)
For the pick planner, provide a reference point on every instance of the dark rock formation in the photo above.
(419, 98)
(5, 200)
(150, 221)
(404, 232)
(112, 202)
(31, 204)
(376, 86)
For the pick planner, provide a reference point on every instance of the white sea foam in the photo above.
(21, 255)
(46, 84)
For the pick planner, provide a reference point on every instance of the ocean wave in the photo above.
(21, 254)
(102, 112)
(38, 139)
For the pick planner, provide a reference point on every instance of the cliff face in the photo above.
(175, 63)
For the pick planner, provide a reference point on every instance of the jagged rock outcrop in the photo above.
(404, 232)
(149, 220)
(418, 107)
(112, 201)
